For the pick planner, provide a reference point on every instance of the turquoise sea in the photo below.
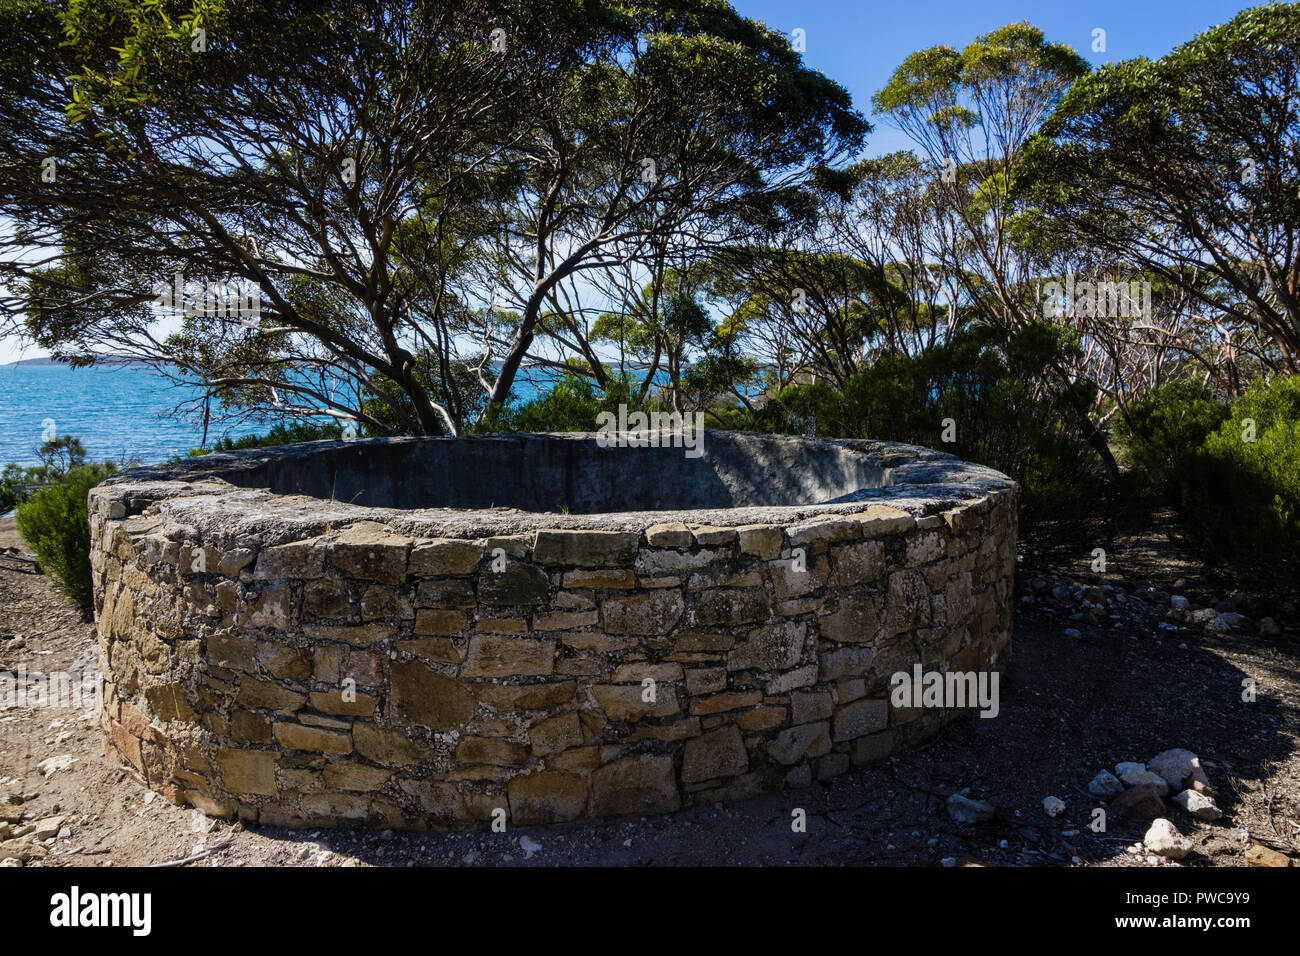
(119, 412)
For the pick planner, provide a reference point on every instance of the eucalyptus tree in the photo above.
(318, 164)
(1188, 167)
(971, 113)
(699, 130)
(352, 171)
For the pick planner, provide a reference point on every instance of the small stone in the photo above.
(1179, 603)
(1053, 806)
(965, 810)
(1139, 803)
(1228, 621)
(529, 846)
(1135, 778)
(1268, 627)
(1073, 632)
(1163, 839)
(50, 826)
(1259, 855)
(1105, 784)
(1180, 769)
(1198, 805)
(52, 765)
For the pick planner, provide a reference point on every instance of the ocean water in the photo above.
(119, 412)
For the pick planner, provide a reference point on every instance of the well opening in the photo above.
(574, 475)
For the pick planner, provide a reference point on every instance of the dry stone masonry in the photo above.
(398, 633)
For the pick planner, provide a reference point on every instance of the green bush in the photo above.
(1242, 497)
(571, 405)
(55, 526)
(1008, 410)
(1163, 432)
(58, 455)
(278, 435)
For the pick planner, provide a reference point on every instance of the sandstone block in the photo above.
(367, 550)
(444, 556)
(719, 753)
(248, 771)
(859, 718)
(554, 734)
(655, 612)
(602, 578)
(420, 695)
(325, 598)
(624, 701)
(672, 534)
(777, 646)
(491, 750)
(518, 584)
(795, 743)
(505, 656)
(298, 737)
(585, 549)
(635, 785)
(541, 798)
(761, 540)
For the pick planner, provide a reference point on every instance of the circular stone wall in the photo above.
(432, 632)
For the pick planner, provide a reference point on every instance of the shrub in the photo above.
(571, 405)
(278, 435)
(1162, 434)
(57, 455)
(1242, 497)
(1008, 410)
(55, 526)
(17, 484)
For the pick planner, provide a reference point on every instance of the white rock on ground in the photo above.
(1181, 769)
(1105, 784)
(1198, 805)
(1163, 839)
(965, 810)
(1227, 621)
(52, 765)
(50, 826)
(1133, 778)
(1053, 805)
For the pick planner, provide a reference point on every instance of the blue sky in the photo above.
(859, 43)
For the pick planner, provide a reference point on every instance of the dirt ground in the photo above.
(1082, 692)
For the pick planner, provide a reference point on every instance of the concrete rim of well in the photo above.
(918, 480)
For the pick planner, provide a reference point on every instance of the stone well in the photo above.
(433, 632)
